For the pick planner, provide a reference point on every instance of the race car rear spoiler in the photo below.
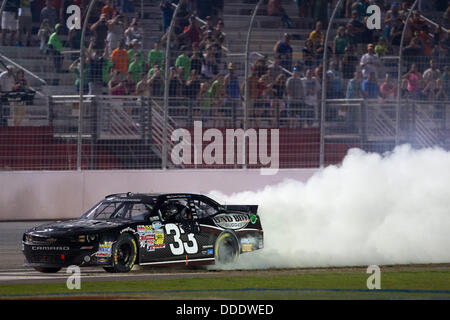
(246, 208)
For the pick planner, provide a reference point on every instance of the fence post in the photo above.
(166, 86)
(399, 75)
(323, 98)
(246, 93)
(82, 63)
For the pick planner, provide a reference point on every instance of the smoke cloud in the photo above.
(371, 209)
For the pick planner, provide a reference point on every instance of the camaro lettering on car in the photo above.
(50, 248)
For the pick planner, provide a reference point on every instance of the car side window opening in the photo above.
(138, 212)
(175, 210)
(204, 210)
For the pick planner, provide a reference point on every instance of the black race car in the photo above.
(146, 229)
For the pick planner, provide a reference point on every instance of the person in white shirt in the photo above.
(7, 80)
(312, 88)
(369, 62)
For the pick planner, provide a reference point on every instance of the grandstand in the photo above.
(123, 129)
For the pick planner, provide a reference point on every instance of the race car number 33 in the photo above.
(179, 247)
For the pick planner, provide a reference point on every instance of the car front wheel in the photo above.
(124, 254)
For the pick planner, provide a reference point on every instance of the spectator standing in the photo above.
(135, 47)
(277, 104)
(321, 11)
(49, 13)
(391, 18)
(100, 32)
(316, 36)
(232, 91)
(25, 23)
(349, 63)
(339, 44)
(370, 89)
(142, 87)
(115, 84)
(95, 63)
(396, 32)
(283, 51)
(137, 67)
(108, 10)
(156, 82)
(411, 82)
(44, 34)
(196, 60)
(128, 85)
(369, 62)
(312, 88)
(275, 8)
(358, 28)
(432, 73)
(388, 90)
(192, 33)
(7, 79)
(413, 54)
(308, 54)
(381, 49)
(55, 46)
(156, 56)
(115, 32)
(167, 13)
(334, 88)
(274, 69)
(183, 60)
(296, 95)
(119, 58)
(9, 21)
(354, 86)
(134, 33)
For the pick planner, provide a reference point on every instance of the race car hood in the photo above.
(75, 226)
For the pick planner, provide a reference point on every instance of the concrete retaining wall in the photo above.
(33, 195)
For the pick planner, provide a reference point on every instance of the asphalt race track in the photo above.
(12, 268)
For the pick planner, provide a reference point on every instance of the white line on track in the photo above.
(35, 275)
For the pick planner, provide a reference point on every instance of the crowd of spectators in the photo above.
(200, 76)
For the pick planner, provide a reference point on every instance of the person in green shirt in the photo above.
(136, 67)
(153, 69)
(340, 42)
(135, 48)
(184, 61)
(381, 47)
(156, 56)
(55, 46)
(75, 68)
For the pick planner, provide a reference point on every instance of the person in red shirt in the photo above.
(119, 58)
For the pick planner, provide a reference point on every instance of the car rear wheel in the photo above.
(124, 253)
(226, 249)
(47, 269)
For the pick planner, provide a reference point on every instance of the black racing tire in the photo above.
(109, 269)
(124, 254)
(47, 269)
(226, 249)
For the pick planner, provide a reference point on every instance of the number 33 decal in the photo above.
(179, 247)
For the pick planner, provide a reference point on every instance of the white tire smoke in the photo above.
(372, 209)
